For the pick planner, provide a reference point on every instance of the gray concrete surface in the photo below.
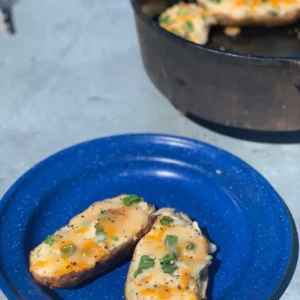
(73, 72)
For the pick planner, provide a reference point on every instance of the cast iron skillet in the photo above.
(253, 84)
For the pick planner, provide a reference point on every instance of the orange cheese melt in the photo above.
(254, 3)
(182, 283)
(164, 292)
(87, 247)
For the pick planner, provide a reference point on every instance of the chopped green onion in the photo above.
(168, 258)
(166, 220)
(189, 26)
(190, 246)
(168, 263)
(163, 20)
(104, 212)
(209, 259)
(115, 238)
(132, 200)
(169, 269)
(49, 240)
(99, 231)
(146, 262)
(100, 235)
(204, 18)
(216, 1)
(137, 272)
(67, 250)
(170, 240)
(176, 251)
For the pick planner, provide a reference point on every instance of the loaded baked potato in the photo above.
(95, 241)
(193, 21)
(171, 261)
(187, 20)
(252, 12)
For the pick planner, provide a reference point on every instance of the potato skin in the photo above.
(203, 282)
(108, 262)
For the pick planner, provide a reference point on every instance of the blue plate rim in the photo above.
(11, 293)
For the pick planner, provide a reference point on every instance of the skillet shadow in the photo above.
(213, 268)
(289, 137)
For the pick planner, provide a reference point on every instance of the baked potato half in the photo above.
(171, 261)
(94, 242)
(187, 20)
(252, 13)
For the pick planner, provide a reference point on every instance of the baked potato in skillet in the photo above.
(95, 241)
(255, 12)
(171, 261)
(189, 21)
(193, 21)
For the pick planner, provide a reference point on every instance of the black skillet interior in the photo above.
(274, 42)
(260, 103)
(271, 42)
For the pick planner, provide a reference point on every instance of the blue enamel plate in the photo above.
(234, 205)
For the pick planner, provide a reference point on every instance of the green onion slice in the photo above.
(166, 220)
(170, 240)
(132, 200)
(67, 250)
(100, 235)
(49, 240)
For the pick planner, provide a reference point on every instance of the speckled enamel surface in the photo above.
(236, 208)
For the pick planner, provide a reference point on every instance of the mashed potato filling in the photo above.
(170, 262)
(90, 236)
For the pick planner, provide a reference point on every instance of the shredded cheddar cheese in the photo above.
(97, 231)
(168, 260)
(192, 21)
(188, 21)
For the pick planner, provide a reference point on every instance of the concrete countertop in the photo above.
(73, 72)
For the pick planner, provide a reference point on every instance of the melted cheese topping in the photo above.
(112, 216)
(193, 21)
(188, 21)
(240, 9)
(183, 283)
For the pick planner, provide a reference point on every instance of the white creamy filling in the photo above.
(111, 216)
(184, 281)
